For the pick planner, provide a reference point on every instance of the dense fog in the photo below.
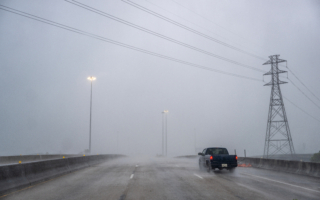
(45, 94)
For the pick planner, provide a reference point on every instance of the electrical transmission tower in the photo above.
(278, 136)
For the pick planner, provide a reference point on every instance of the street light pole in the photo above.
(91, 78)
(166, 136)
(195, 140)
(162, 134)
(118, 142)
(166, 130)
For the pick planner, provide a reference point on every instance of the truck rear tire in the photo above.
(209, 167)
(232, 169)
(200, 166)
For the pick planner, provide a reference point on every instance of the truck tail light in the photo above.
(236, 157)
(211, 157)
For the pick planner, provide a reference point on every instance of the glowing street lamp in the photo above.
(91, 78)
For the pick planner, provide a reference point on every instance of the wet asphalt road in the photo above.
(160, 178)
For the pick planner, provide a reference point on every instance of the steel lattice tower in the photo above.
(278, 137)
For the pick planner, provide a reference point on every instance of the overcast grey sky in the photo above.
(45, 94)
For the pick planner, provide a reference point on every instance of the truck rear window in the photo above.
(217, 151)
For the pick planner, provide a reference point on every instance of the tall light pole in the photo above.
(91, 78)
(162, 134)
(195, 140)
(118, 142)
(165, 129)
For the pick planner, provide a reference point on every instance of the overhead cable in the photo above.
(159, 35)
(162, 8)
(190, 29)
(176, 41)
(244, 38)
(78, 31)
(303, 93)
(210, 20)
(301, 109)
(302, 83)
(30, 16)
(206, 36)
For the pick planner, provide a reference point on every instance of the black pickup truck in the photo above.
(217, 157)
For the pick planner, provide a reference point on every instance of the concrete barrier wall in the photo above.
(12, 176)
(80, 162)
(297, 157)
(296, 167)
(290, 166)
(29, 158)
(188, 156)
(44, 170)
(17, 176)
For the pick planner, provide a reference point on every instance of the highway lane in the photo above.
(160, 178)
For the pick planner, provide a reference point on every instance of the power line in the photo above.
(52, 23)
(171, 39)
(159, 35)
(78, 31)
(190, 29)
(300, 89)
(208, 37)
(245, 39)
(300, 108)
(302, 83)
(190, 21)
(210, 20)
(242, 38)
(303, 93)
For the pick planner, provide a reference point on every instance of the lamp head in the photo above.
(92, 78)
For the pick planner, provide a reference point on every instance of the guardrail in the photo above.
(17, 176)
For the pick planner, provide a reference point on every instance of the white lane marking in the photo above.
(137, 165)
(131, 176)
(281, 182)
(241, 185)
(198, 176)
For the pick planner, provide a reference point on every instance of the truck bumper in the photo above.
(224, 165)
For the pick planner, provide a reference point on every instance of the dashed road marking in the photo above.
(131, 176)
(281, 182)
(198, 176)
(137, 165)
(177, 166)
